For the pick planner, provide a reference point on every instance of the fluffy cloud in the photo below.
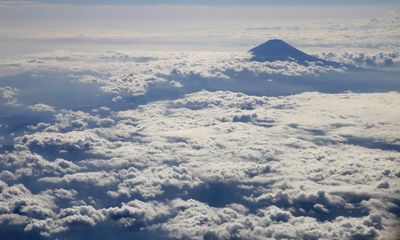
(138, 73)
(213, 165)
(9, 96)
(41, 107)
(380, 59)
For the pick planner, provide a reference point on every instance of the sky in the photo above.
(36, 26)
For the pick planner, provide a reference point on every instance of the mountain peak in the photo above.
(276, 42)
(279, 50)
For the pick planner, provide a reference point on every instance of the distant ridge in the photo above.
(278, 50)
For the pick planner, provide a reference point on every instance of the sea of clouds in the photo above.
(196, 145)
(114, 144)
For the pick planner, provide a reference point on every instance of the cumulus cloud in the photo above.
(41, 107)
(140, 77)
(212, 165)
(378, 60)
(9, 96)
(151, 147)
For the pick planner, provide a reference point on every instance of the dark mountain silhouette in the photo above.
(278, 50)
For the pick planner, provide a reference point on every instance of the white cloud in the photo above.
(378, 60)
(139, 73)
(41, 107)
(9, 96)
(213, 164)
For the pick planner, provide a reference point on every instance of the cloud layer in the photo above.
(212, 165)
(198, 145)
